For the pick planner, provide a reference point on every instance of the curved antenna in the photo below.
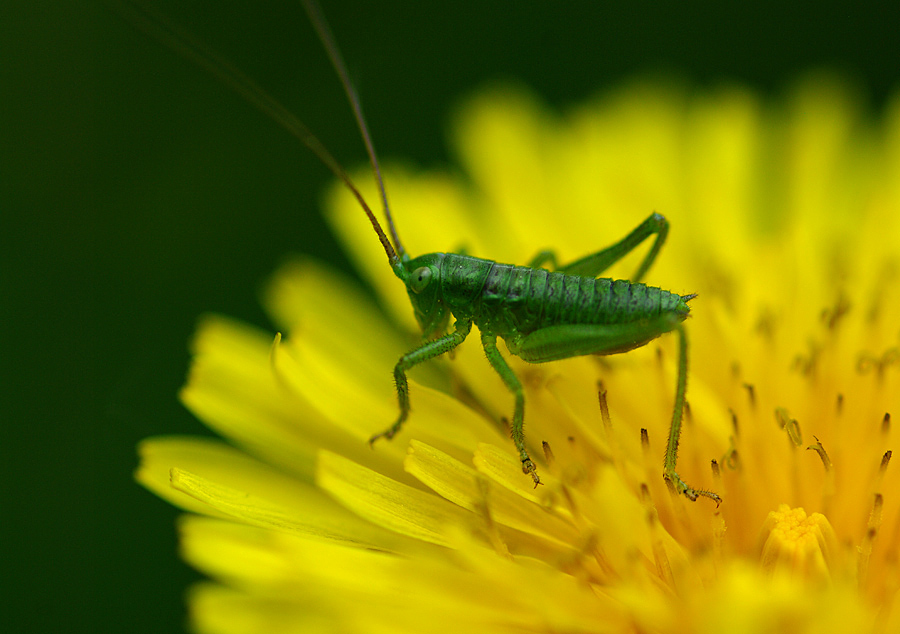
(189, 47)
(314, 11)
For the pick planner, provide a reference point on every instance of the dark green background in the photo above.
(138, 193)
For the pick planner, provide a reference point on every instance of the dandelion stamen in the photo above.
(751, 394)
(790, 426)
(548, 454)
(865, 548)
(604, 409)
(819, 449)
(734, 422)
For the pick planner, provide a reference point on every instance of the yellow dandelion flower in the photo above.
(785, 219)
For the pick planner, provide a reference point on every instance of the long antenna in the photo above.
(314, 11)
(189, 47)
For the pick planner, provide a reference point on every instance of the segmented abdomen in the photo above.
(523, 299)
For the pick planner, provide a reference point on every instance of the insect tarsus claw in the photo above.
(385, 434)
(709, 494)
(678, 486)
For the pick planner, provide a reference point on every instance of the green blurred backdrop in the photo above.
(138, 193)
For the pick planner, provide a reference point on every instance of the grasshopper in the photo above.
(541, 315)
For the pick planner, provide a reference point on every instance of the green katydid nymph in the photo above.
(541, 315)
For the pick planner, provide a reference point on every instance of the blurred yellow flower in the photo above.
(785, 218)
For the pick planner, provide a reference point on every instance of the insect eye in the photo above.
(421, 277)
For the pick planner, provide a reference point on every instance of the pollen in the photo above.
(798, 544)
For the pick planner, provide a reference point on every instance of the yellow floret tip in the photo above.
(798, 544)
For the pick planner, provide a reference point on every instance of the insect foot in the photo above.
(387, 433)
(528, 468)
(679, 486)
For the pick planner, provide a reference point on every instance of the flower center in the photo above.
(798, 545)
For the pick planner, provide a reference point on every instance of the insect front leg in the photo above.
(489, 341)
(427, 351)
(594, 264)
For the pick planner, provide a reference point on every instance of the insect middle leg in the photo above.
(594, 264)
(425, 352)
(489, 341)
